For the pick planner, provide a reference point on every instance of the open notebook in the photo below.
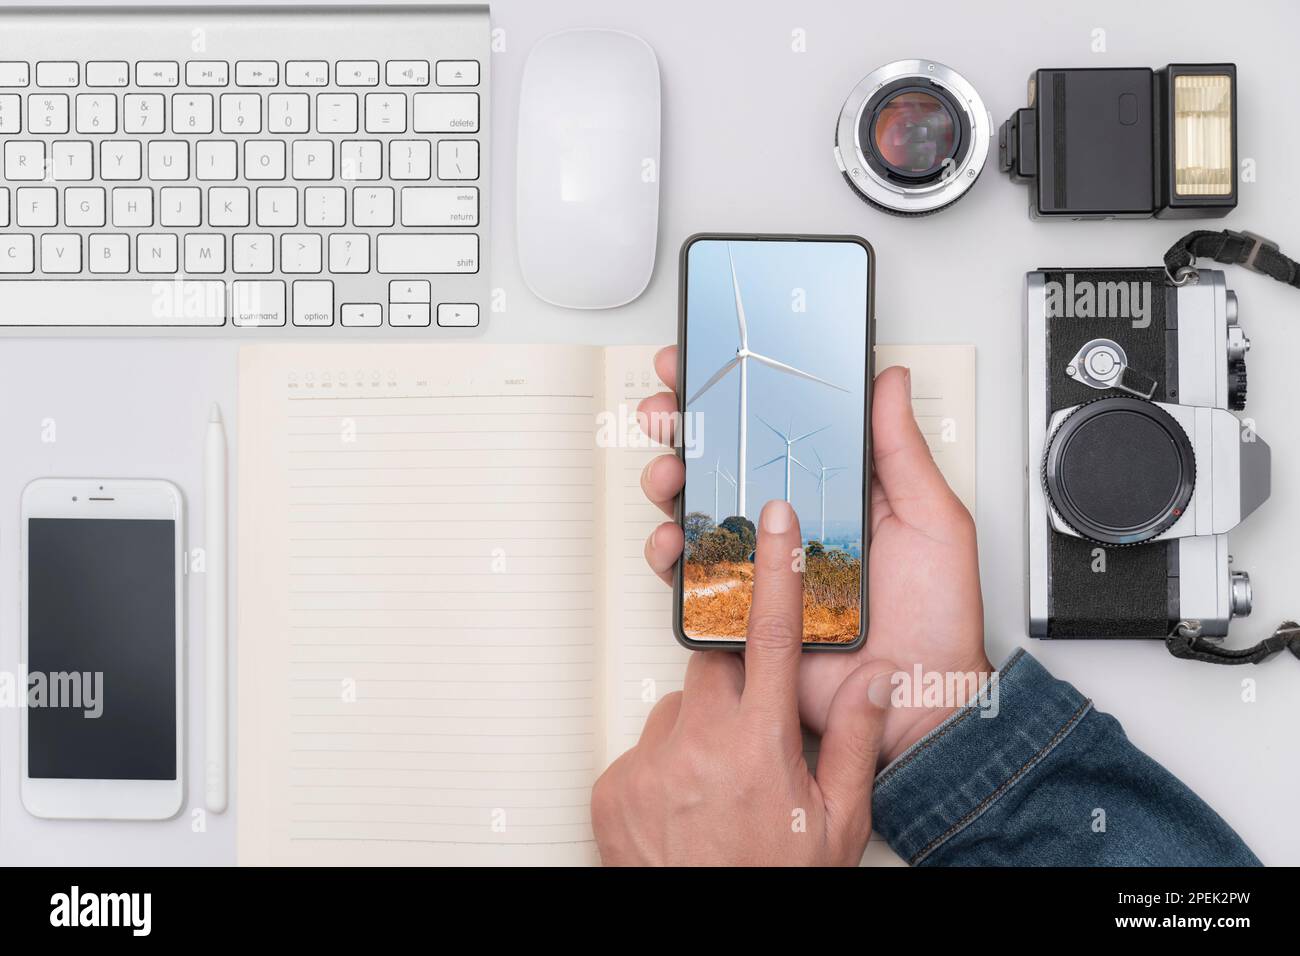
(446, 628)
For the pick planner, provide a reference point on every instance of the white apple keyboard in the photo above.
(217, 171)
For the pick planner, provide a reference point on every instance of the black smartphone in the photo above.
(776, 341)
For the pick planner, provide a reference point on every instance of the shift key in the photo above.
(406, 254)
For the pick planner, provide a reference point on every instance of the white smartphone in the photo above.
(102, 617)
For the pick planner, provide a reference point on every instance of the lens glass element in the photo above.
(914, 132)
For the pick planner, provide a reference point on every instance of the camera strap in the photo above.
(1258, 255)
(1231, 248)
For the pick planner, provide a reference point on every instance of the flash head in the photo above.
(1126, 143)
(912, 137)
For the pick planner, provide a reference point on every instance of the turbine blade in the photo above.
(740, 306)
(717, 377)
(804, 467)
(771, 461)
(791, 370)
(779, 434)
(819, 458)
(809, 434)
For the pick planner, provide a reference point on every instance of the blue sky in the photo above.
(826, 339)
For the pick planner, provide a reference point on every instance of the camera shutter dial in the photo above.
(1119, 470)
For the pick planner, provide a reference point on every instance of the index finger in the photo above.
(774, 639)
(666, 365)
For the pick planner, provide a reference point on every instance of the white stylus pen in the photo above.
(214, 606)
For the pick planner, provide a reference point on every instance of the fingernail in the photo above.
(907, 381)
(654, 536)
(777, 517)
(881, 690)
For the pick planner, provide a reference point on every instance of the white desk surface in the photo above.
(747, 146)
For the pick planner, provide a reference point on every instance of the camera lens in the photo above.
(912, 137)
(914, 133)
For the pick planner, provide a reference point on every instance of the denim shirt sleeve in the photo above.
(1042, 779)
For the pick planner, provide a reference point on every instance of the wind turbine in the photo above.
(823, 475)
(787, 454)
(742, 357)
(720, 472)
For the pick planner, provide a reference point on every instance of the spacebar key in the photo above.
(105, 303)
(406, 254)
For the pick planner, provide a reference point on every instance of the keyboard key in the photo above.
(24, 160)
(457, 159)
(96, 113)
(119, 159)
(215, 159)
(360, 160)
(207, 73)
(157, 73)
(169, 160)
(323, 206)
(57, 74)
(84, 206)
(440, 206)
(356, 73)
(60, 252)
(287, 112)
(409, 159)
(253, 253)
(205, 253)
(277, 206)
(47, 112)
(300, 252)
(258, 303)
(104, 303)
(241, 113)
(409, 290)
(350, 252)
(108, 73)
(4, 207)
(264, 159)
(179, 206)
(17, 256)
(11, 107)
(132, 207)
(408, 316)
(142, 113)
(257, 73)
(313, 159)
(336, 112)
(313, 302)
(307, 73)
(408, 72)
(445, 113)
(72, 160)
(155, 252)
(408, 254)
(372, 206)
(36, 206)
(110, 253)
(457, 73)
(385, 113)
(192, 113)
(457, 315)
(228, 206)
(363, 315)
(13, 74)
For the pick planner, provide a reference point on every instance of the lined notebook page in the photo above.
(643, 659)
(943, 399)
(418, 657)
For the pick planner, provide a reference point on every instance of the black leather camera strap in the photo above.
(1232, 248)
(1259, 255)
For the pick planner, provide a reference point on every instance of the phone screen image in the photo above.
(101, 609)
(775, 336)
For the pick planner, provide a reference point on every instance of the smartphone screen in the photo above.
(775, 371)
(101, 614)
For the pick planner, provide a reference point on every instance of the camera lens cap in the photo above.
(1119, 470)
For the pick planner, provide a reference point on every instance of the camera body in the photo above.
(1137, 467)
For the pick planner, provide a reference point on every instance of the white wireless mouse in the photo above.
(587, 195)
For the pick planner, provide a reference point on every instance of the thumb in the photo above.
(850, 750)
(908, 474)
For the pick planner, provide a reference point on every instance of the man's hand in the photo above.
(923, 591)
(718, 777)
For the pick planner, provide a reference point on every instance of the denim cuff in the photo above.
(943, 782)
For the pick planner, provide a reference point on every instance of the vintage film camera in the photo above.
(1136, 468)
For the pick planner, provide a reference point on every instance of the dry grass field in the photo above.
(718, 596)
